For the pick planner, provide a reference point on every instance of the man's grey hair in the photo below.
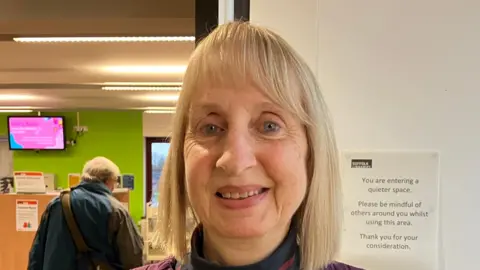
(100, 169)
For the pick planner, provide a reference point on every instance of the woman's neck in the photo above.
(241, 251)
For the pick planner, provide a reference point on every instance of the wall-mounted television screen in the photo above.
(36, 133)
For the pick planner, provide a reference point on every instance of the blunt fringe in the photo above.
(233, 55)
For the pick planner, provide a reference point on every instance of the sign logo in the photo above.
(361, 163)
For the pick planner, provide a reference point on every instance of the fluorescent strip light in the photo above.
(15, 97)
(162, 108)
(160, 97)
(15, 111)
(146, 69)
(160, 111)
(141, 88)
(104, 39)
(143, 83)
(15, 107)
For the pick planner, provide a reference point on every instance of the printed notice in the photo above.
(27, 215)
(29, 182)
(391, 210)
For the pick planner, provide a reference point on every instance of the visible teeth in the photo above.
(237, 195)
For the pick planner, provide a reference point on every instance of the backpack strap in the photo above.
(82, 248)
(72, 224)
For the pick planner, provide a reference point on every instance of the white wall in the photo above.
(294, 20)
(401, 75)
(157, 124)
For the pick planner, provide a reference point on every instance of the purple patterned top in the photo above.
(169, 264)
(285, 257)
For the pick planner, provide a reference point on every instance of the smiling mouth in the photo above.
(240, 195)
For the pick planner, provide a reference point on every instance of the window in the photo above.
(156, 153)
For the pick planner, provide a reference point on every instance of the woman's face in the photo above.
(245, 161)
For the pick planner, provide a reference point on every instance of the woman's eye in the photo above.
(269, 127)
(210, 129)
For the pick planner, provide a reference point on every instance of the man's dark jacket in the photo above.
(106, 225)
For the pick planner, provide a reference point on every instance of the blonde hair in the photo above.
(100, 169)
(234, 55)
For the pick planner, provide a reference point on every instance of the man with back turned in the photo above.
(111, 236)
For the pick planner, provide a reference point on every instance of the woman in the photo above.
(253, 158)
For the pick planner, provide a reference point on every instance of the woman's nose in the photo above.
(238, 154)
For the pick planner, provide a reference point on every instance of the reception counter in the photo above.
(16, 242)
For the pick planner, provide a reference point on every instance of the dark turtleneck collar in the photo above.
(285, 257)
(93, 186)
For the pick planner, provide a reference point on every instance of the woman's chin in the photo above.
(242, 227)
(239, 231)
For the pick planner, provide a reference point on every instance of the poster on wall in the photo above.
(26, 215)
(391, 213)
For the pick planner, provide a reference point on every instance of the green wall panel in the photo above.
(116, 135)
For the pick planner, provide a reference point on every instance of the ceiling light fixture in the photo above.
(146, 69)
(143, 83)
(7, 97)
(160, 97)
(103, 39)
(162, 108)
(141, 88)
(15, 111)
(160, 111)
(15, 107)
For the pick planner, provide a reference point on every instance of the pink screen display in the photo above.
(36, 133)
